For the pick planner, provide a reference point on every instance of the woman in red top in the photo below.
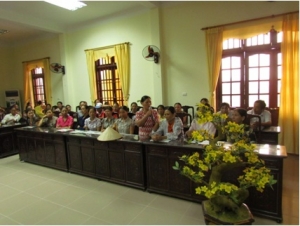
(64, 120)
(146, 119)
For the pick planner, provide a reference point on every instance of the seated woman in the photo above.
(115, 110)
(161, 113)
(134, 107)
(64, 120)
(12, 117)
(31, 119)
(84, 109)
(225, 109)
(195, 126)
(124, 124)
(92, 123)
(179, 111)
(48, 120)
(109, 120)
(171, 128)
(239, 116)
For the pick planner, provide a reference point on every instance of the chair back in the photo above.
(181, 115)
(186, 109)
(130, 114)
(258, 130)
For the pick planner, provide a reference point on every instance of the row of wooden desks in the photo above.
(141, 164)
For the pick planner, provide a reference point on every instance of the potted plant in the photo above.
(225, 199)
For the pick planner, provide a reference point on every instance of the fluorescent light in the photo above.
(67, 4)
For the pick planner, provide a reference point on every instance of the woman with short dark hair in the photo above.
(171, 128)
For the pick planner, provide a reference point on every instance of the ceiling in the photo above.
(27, 20)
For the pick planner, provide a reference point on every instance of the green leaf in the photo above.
(175, 168)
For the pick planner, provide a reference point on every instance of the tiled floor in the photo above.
(31, 194)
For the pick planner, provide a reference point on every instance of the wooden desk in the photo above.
(269, 135)
(141, 164)
(8, 141)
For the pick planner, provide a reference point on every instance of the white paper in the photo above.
(64, 130)
(205, 142)
(162, 141)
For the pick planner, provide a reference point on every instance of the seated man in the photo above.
(259, 109)
(48, 120)
(12, 117)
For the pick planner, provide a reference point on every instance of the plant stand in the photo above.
(243, 216)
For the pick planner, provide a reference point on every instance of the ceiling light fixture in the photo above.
(70, 4)
(3, 31)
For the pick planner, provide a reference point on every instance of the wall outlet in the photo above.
(184, 94)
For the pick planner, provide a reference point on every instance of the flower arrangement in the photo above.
(217, 161)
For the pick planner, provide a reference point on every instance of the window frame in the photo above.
(35, 76)
(244, 51)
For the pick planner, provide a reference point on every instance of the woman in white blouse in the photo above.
(92, 123)
(171, 128)
(124, 124)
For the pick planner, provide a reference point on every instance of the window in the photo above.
(38, 85)
(108, 82)
(251, 70)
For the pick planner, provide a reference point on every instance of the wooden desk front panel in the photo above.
(161, 177)
(43, 149)
(8, 140)
(119, 162)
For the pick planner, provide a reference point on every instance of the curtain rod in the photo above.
(106, 47)
(36, 59)
(243, 21)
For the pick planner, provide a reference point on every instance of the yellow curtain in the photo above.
(47, 76)
(214, 48)
(122, 59)
(28, 90)
(289, 95)
(90, 60)
(28, 93)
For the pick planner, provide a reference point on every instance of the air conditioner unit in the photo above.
(13, 97)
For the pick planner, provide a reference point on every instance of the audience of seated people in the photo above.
(149, 122)
(265, 116)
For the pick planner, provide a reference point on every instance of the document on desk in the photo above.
(162, 141)
(64, 130)
(93, 132)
